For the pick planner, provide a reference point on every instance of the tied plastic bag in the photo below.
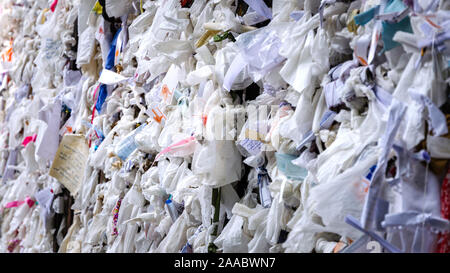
(258, 50)
(228, 61)
(232, 240)
(219, 160)
(291, 171)
(181, 148)
(343, 195)
(86, 46)
(414, 221)
(128, 144)
(311, 54)
(117, 8)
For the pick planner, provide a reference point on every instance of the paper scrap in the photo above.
(70, 161)
(251, 146)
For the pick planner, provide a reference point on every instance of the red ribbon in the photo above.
(14, 204)
(444, 239)
(53, 6)
(29, 139)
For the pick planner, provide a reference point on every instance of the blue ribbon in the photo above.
(103, 92)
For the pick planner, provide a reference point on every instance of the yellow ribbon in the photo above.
(205, 37)
(43, 15)
(98, 8)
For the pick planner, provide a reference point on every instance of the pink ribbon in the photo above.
(179, 143)
(29, 139)
(14, 204)
(53, 6)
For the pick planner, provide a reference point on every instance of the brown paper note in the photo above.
(70, 161)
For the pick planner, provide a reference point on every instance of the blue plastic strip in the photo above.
(112, 52)
(103, 93)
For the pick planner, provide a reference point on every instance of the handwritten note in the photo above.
(70, 161)
(251, 146)
(51, 48)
